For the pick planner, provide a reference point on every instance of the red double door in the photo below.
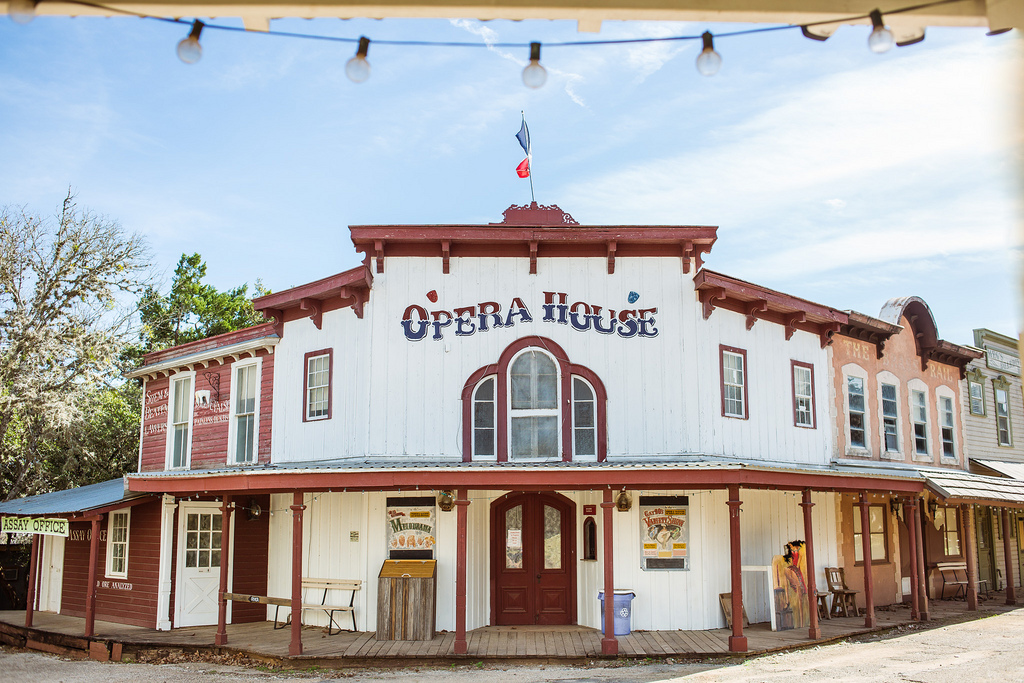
(533, 559)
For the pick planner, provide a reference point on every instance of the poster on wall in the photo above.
(664, 532)
(789, 583)
(410, 528)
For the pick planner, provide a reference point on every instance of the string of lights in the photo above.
(709, 61)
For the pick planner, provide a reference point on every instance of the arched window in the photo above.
(533, 404)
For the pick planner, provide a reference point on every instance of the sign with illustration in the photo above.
(465, 321)
(410, 528)
(789, 581)
(664, 532)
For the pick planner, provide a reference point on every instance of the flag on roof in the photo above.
(523, 169)
(524, 136)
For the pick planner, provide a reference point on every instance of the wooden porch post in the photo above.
(609, 644)
(90, 591)
(971, 553)
(737, 641)
(812, 590)
(1011, 599)
(869, 581)
(295, 647)
(461, 536)
(908, 516)
(33, 571)
(221, 638)
(922, 576)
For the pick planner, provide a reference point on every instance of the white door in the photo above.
(199, 558)
(53, 574)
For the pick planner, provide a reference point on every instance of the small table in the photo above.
(767, 569)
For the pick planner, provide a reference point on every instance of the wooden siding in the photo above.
(210, 425)
(114, 602)
(394, 397)
(980, 430)
(250, 558)
(665, 599)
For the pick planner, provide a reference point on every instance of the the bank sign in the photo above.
(34, 525)
(418, 324)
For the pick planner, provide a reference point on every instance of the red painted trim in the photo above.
(1011, 599)
(609, 644)
(520, 479)
(305, 383)
(295, 646)
(869, 579)
(316, 311)
(908, 515)
(467, 410)
(970, 549)
(90, 591)
(722, 348)
(33, 575)
(502, 398)
(461, 539)
(793, 365)
(922, 579)
(737, 641)
(745, 292)
(601, 396)
(221, 636)
(814, 631)
(208, 344)
(326, 288)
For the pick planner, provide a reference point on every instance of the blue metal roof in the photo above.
(80, 499)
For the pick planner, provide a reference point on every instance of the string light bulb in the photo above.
(21, 11)
(881, 39)
(534, 75)
(189, 49)
(358, 69)
(708, 61)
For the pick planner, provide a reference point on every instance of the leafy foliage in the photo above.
(63, 328)
(193, 310)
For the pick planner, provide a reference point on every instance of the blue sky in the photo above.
(833, 173)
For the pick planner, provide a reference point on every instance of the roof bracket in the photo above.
(612, 246)
(359, 298)
(316, 311)
(687, 255)
(708, 298)
(378, 252)
(445, 255)
(826, 331)
(278, 316)
(533, 257)
(792, 320)
(880, 349)
(752, 309)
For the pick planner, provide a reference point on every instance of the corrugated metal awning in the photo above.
(81, 499)
(964, 487)
(1014, 470)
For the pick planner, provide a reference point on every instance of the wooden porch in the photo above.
(505, 643)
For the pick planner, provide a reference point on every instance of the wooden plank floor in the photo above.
(492, 642)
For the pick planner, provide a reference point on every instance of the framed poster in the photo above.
(411, 528)
(664, 532)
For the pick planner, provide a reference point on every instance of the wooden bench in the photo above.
(950, 573)
(308, 584)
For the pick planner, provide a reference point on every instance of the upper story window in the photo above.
(117, 544)
(946, 427)
(317, 388)
(890, 418)
(179, 442)
(245, 402)
(976, 392)
(876, 531)
(1001, 390)
(803, 394)
(857, 410)
(734, 381)
(533, 404)
(946, 522)
(919, 420)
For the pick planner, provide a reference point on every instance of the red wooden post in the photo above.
(971, 553)
(221, 638)
(812, 590)
(33, 571)
(869, 580)
(90, 591)
(737, 641)
(461, 536)
(922, 576)
(295, 647)
(908, 516)
(1011, 599)
(609, 644)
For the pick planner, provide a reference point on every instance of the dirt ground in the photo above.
(988, 649)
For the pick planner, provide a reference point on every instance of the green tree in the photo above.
(193, 310)
(64, 322)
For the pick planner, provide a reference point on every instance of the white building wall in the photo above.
(397, 398)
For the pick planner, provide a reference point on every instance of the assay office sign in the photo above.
(419, 324)
(34, 525)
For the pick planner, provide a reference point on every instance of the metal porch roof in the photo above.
(1014, 470)
(966, 487)
(81, 499)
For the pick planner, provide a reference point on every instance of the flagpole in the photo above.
(524, 140)
(530, 167)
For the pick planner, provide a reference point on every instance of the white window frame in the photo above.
(109, 569)
(572, 418)
(944, 393)
(976, 380)
(913, 387)
(494, 407)
(233, 422)
(886, 377)
(742, 386)
(556, 412)
(853, 370)
(795, 366)
(310, 388)
(172, 389)
(1003, 387)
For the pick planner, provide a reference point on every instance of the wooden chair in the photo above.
(823, 611)
(844, 600)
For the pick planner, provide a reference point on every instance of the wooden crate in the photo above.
(406, 600)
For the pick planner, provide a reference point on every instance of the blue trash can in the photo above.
(623, 604)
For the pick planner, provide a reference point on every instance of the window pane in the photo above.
(552, 538)
(483, 414)
(547, 436)
(583, 414)
(483, 441)
(485, 392)
(877, 547)
(582, 390)
(193, 522)
(514, 537)
(585, 442)
(520, 391)
(204, 522)
(190, 558)
(876, 519)
(522, 436)
(215, 522)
